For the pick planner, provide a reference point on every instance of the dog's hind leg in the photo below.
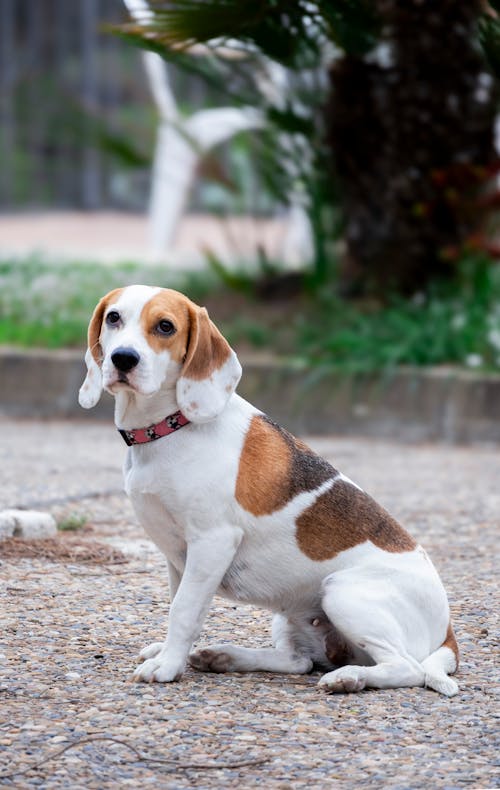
(283, 657)
(390, 671)
(374, 610)
(231, 658)
(437, 667)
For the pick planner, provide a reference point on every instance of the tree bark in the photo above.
(408, 126)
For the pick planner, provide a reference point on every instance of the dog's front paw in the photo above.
(158, 670)
(151, 650)
(345, 679)
(216, 659)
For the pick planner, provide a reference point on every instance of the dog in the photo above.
(243, 509)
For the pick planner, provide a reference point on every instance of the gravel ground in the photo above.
(71, 632)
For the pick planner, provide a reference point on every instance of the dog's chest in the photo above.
(179, 490)
(162, 526)
(157, 507)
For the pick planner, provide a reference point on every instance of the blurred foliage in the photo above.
(291, 32)
(49, 304)
(289, 154)
(73, 521)
(360, 129)
(54, 127)
(489, 36)
(458, 323)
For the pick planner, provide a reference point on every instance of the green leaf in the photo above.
(279, 29)
(353, 25)
(121, 148)
(489, 39)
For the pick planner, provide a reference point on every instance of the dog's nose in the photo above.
(124, 359)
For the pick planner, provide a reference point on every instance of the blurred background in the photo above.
(323, 175)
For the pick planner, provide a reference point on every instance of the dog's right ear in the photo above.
(91, 389)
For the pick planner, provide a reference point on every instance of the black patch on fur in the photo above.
(308, 470)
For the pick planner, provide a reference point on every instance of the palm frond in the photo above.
(489, 39)
(284, 30)
(215, 71)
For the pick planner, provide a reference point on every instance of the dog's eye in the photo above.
(112, 318)
(165, 327)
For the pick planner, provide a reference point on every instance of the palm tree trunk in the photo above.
(408, 127)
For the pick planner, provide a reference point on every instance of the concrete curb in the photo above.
(413, 404)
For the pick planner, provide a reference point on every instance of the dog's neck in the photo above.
(133, 410)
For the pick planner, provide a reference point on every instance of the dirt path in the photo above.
(111, 236)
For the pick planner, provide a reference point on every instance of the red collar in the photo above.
(143, 435)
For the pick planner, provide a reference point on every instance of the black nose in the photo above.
(125, 359)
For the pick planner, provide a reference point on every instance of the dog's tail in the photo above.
(440, 664)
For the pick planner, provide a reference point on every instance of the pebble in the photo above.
(27, 524)
(7, 524)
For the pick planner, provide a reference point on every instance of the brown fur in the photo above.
(451, 642)
(95, 325)
(275, 467)
(197, 342)
(337, 649)
(171, 306)
(207, 349)
(343, 517)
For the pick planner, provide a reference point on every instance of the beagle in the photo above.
(242, 509)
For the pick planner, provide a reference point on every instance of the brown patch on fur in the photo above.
(207, 350)
(275, 467)
(337, 649)
(451, 642)
(170, 306)
(197, 343)
(95, 325)
(264, 470)
(343, 517)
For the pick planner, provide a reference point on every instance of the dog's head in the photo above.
(145, 339)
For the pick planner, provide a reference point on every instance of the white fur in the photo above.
(201, 401)
(91, 389)
(390, 608)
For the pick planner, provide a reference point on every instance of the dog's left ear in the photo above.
(91, 389)
(210, 373)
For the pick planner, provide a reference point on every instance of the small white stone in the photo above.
(7, 524)
(72, 676)
(27, 524)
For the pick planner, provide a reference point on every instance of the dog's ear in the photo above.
(211, 370)
(91, 389)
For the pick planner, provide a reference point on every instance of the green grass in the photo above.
(44, 304)
(49, 305)
(454, 323)
(72, 522)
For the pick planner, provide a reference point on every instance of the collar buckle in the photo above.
(125, 437)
